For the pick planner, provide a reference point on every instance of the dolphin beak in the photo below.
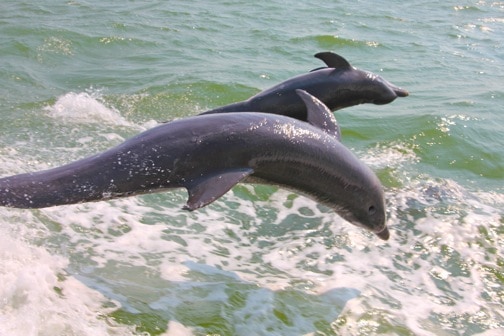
(384, 234)
(401, 92)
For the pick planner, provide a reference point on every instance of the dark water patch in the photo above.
(330, 42)
(180, 99)
(143, 323)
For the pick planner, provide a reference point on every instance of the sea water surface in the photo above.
(78, 77)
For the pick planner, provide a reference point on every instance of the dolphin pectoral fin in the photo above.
(207, 189)
(319, 114)
(333, 60)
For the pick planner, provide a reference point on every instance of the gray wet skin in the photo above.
(210, 154)
(338, 85)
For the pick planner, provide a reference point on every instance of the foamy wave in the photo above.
(38, 297)
(387, 155)
(85, 107)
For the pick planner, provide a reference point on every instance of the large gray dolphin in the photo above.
(208, 155)
(338, 85)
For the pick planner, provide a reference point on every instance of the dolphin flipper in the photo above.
(333, 60)
(319, 114)
(205, 190)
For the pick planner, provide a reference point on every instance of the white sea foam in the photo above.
(89, 108)
(389, 155)
(38, 297)
(178, 329)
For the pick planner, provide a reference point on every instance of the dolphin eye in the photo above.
(372, 210)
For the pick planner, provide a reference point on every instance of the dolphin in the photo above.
(338, 85)
(210, 154)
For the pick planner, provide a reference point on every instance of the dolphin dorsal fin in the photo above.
(319, 115)
(333, 60)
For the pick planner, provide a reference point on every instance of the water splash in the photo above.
(86, 107)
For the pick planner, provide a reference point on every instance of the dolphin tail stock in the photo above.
(99, 178)
(67, 184)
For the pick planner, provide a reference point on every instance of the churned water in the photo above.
(77, 77)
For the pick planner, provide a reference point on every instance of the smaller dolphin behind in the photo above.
(210, 154)
(338, 85)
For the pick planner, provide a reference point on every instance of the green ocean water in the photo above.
(78, 77)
